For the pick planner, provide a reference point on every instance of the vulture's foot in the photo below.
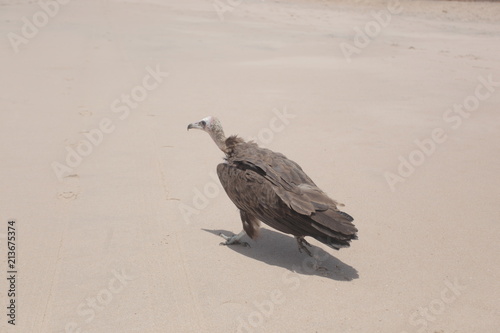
(234, 240)
(302, 245)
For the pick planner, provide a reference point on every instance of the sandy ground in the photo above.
(117, 208)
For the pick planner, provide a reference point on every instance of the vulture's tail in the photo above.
(335, 228)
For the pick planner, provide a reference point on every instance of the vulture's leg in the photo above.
(302, 245)
(235, 239)
(250, 228)
(251, 224)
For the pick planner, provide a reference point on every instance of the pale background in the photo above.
(122, 210)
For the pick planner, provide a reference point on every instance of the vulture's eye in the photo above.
(203, 123)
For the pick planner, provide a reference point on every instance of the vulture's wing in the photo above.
(253, 194)
(289, 181)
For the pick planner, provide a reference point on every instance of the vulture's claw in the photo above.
(245, 244)
(234, 240)
(302, 245)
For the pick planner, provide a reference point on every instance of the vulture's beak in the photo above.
(196, 125)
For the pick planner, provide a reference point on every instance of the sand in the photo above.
(391, 108)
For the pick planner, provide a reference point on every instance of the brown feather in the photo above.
(269, 187)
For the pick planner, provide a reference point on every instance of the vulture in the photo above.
(266, 186)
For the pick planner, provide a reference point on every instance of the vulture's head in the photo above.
(208, 124)
(212, 126)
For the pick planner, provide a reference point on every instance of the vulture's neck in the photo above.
(219, 139)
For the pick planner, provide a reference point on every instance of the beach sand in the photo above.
(392, 108)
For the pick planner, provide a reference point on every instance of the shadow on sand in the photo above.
(277, 249)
